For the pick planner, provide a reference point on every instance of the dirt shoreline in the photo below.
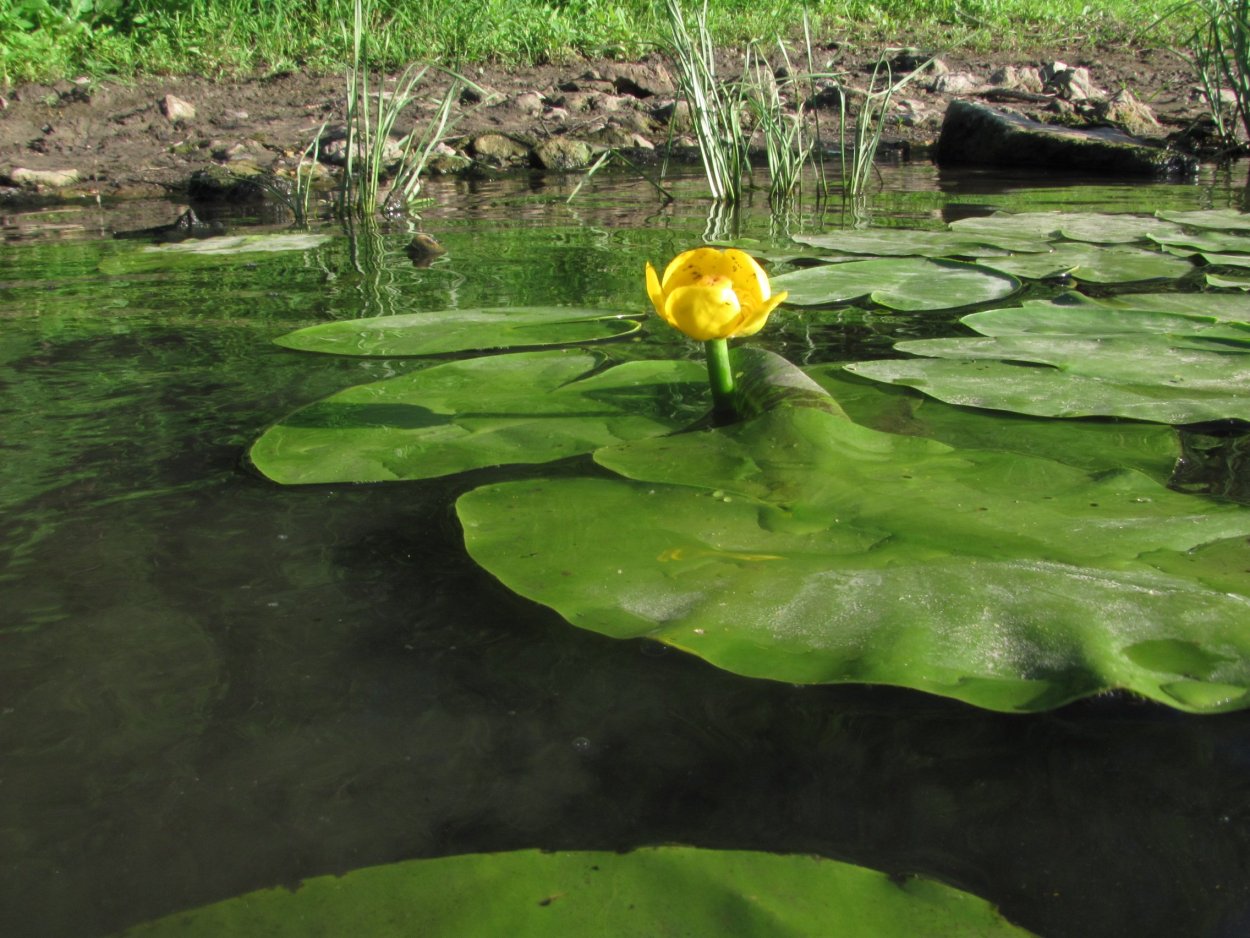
(125, 140)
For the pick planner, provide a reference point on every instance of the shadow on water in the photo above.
(211, 684)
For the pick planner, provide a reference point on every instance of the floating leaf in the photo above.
(1105, 361)
(1094, 227)
(457, 330)
(1093, 264)
(648, 892)
(902, 242)
(804, 548)
(907, 283)
(1204, 242)
(1096, 446)
(1234, 281)
(524, 408)
(1229, 307)
(1221, 219)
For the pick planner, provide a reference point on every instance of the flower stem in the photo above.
(721, 377)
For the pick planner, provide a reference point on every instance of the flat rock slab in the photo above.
(977, 134)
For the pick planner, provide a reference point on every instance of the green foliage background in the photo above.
(46, 39)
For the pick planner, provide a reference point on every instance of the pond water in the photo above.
(211, 684)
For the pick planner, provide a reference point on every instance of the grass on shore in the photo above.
(50, 39)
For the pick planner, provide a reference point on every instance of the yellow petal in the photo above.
(749, 280)
(654, 291)
(703, 312)
(753, 320)
(690, 267)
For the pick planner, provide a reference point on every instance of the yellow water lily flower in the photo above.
(710, 294)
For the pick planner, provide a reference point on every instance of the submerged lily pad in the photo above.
(906, 283)
(530, 407)
(1095, 227)
(1093, 264)
(648, 892)
(1103, 361)
(458, 330)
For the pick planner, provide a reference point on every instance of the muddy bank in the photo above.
(151, 137)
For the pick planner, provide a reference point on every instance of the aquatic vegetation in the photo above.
(1016, 566)
(716, 106)
(712, 296)
(653, 890)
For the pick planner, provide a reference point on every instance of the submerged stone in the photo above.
(975, 133)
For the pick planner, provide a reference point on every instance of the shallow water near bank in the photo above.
(211, 684)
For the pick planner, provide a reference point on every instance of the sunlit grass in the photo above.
(58, 38)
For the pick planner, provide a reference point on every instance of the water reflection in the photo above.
(210, 684)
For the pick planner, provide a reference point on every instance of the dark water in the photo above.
(211, 684)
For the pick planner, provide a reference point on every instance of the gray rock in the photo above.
(956, 83)
(176, 109)
(977, 134)
(640, 79)
(43, 178)
(1071, 84)
(562, 153)
(332, 149)
(1011, 78)
(1125, 110)
(498, 149)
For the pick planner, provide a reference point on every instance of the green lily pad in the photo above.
(1095, 227)
(907, 283)
(1096, 446)
(801, 547)
(530, 407)
(457, 330)
(1104, 361)
(648, 892)
(903, 242)
(1209, 242)
(1233, 281)
(1221, 219)
(1229, 307)
(1093, 264)
(1226, 260)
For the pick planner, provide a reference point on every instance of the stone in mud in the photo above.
(498, 149)
(977, 134)
(1125, 110)
(562, 153)
(956, 83)
(640, 79)
(332, 148)
(1013, 78)
(43, 178)
(176, 109)
(1071, 84)
(237, 183)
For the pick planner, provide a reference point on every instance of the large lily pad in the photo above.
(649, 892)
(456, 330)
(801, 547)
(530, 407)
(1207, 242)
(905, 283)
(1095, 227)
(1093, 264)
(1104, 361)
